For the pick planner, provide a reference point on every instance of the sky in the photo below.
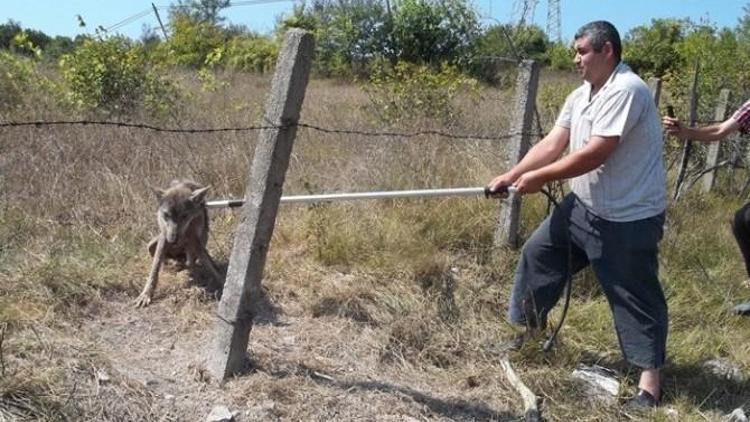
(128, 17)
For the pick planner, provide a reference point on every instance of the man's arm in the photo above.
(582, 161)
(710, 133)
(541, 154)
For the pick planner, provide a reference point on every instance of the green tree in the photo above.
(722, 64)
(743, 25)
(200, 10)
(349, 34)
(8, 31)
(653, 49)
(352, 34)
(191, 41)
(58, 46)
(434, 31)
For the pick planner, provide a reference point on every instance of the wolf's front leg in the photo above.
(144, 299)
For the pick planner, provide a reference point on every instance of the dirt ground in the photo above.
(326, 368)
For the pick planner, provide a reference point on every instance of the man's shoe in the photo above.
(508, 345)
(642, 401)
(742, 309)
(514, 343)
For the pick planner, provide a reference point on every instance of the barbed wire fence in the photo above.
(340, 131)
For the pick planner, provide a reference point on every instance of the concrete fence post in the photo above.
(506, 232)
(712, 155)
(241, 298)
(654, 85)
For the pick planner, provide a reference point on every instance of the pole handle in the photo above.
(670, 110)
(488, 193)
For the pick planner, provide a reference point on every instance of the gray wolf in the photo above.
(183, 233)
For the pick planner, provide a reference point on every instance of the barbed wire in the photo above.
(144, 126)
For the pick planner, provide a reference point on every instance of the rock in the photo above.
(600, 382)
(102, 377)
(261, 411)
(220, 414)
(738, 415)
(725, 369)
(672, 414)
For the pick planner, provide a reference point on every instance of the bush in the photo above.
(560, 57)
(411, 91)
(111, 76)
(190, 43)
(21, 83)
(252, 54)
(15, 76)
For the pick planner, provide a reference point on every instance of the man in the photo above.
(614, 216)
(740, 120)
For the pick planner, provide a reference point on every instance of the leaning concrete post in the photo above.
(506, 233)
(242, 290)
(712, 155)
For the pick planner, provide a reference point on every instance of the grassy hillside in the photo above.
(385, 310)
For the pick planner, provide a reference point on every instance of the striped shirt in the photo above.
(742, 116)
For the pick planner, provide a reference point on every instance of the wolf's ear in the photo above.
(158, 192)
(199, 195)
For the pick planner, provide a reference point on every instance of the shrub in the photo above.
(111, 76)
(252, 54)
(412, 91)
(15, 74)
(22, 85)
(190, 43)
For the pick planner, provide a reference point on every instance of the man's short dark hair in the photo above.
(598, 33)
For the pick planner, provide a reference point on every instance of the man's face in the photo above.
(592, 65)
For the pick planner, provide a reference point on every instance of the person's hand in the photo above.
(673, 126)
(499, 185)
(529, 182)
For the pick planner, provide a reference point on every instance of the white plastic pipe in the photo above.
(330, 197)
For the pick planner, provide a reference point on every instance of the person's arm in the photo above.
(541, 154)
(582, 161)
(710, 133)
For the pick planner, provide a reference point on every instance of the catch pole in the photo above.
(393, 194)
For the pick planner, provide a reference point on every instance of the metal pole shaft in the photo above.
(330, 197)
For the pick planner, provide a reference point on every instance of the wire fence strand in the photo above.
(144, 126)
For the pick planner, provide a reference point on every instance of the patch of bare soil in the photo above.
(301, 368)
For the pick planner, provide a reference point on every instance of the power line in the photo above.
(133, 18)
(128, 20)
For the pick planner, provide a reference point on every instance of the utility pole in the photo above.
(554, 30)
(525, 9)
(158, 18)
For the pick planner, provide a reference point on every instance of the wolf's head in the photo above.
(178, 206)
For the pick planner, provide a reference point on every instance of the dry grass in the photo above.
(382, 311)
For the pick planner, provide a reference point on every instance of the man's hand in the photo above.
(529, 182)
(499, 185)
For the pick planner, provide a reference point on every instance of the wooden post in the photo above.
(687, 146)
(712, 155)
(158, 18)
(654, 85)
(506, 233)
(241, 299)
